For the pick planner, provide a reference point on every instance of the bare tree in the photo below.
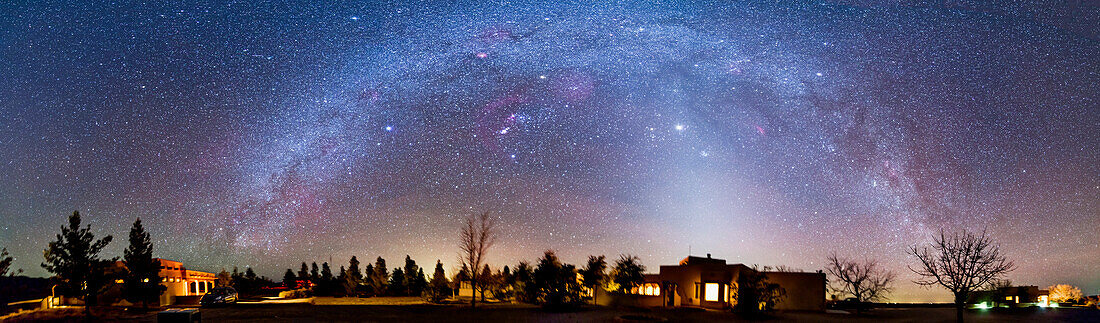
(962, 262)
(478, 235)
(865, 281)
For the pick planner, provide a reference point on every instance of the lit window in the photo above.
(651, 289)
(1008, 298)
(711, 293)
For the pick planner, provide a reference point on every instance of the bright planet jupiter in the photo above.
(265, 135)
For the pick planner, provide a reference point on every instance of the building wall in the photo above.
(685, 279)
(179, 281)
(805, 291)
(465, 289)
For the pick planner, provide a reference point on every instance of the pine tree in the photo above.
(463, 275)
(524, 283)
(353, 270)
(314, 273)
(74, 258)
(225, 279)
(142, 281)
(368, 281)
(556, 282)
(325, 281)
(410, 282)
(350, 282)
(420, 283)
(326, 272)
(439, 288)
(288, 279)
(381, 276)
(397, 283)
(485, 280)
(341, 281)
(303, 273)
(505, 280)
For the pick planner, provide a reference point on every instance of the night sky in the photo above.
(265, 135)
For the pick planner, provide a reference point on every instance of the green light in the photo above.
(982, 306)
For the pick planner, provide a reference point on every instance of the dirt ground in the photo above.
(372, 310)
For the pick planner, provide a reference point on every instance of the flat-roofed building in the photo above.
(712, 283)
(182, 282)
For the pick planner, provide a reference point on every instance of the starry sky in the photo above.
(264, 135)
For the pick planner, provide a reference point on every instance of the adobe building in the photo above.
(1012, 296)
(182, 286)
(707, 282)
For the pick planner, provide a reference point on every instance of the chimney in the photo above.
(708, 256)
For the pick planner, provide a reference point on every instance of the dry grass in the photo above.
(76, 314)
(412, 309)
(368, 301)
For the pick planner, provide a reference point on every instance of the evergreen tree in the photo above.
(314, 273)
(353, 270)
(326, 281)
(350, 282)
(411, 287)
(486, 281)
(506, 276)
(74, 258)
(236, 278)
(504, 283)
(303, 273)
(438, 289)
(225, 279)
(420, 283)
(397, 283)
(368, 281)
(326, 272)
(381, 276)
(594, 274)
(524, 283)
(250, 282)
(142, 281)
(463, 275)
(340, 285)
(557, 282)
(288, 279)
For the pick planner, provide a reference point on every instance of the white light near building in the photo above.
(711, 293)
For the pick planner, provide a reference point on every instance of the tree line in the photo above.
(961, 262)
(374, 280)
(79, 271)
(549, 282)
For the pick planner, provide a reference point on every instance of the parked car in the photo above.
(219, 296)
